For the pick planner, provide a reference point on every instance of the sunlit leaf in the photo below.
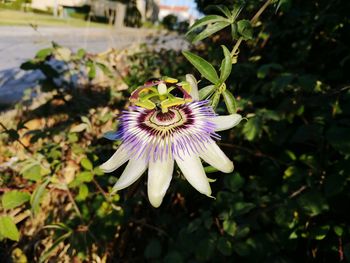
(8, 228)
(209, 30)
(14, 198)
(205, 21)
(203, 66)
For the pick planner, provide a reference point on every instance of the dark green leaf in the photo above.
(245, 29)
(153, 249)
(224, 246)
(203, 66)
(234, 182)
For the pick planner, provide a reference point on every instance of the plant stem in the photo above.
(252, 21)
(18, 140)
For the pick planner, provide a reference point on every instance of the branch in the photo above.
(253, 21)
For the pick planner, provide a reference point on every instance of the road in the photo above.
(17, 44)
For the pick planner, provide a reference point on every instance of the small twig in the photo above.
(76, 208)
(18, 140)
(297, 192)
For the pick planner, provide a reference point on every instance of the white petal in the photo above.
(133, 171)
(193, 171)
(214, 156)
(117, 160)
(193, 83)
(159, 177)
(226, 122)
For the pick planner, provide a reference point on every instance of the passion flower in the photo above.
(161, 129)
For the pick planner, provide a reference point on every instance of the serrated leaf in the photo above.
(226, 64)
(205, 21)
(210, 29)
(230, 101)
(203, 66)
(14, 198)
(86, 163)
(245, 29)
(8, 228)
(37, 196)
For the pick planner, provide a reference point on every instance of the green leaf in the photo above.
(86, 163)
(215, 100)
(33, 172)
(230, 101)
(83, 192)
(210, 169)
(104, 69)
(224, 10)
(8, 228)
(224, 246)
(81, 53)
(210, 29)
(252, 128)
(245, 29)
(206, 92)
(205, 21)
(226, 64)
(153, 249)
(338, 230)
(234, 182)
(92, 69)
(320, 232)
(85, 176)
(14, 198)
(47, 253)
(313, 203)
(37, 196)
(230, 227)
(203, 66)
(43, 53)
(98, 171)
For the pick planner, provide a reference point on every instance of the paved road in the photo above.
(17, 44)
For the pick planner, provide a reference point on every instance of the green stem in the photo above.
(253, 21)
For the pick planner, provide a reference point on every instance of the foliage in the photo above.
(288, 199)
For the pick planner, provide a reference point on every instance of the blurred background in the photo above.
(67, 69)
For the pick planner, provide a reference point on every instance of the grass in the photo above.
(18, 18)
